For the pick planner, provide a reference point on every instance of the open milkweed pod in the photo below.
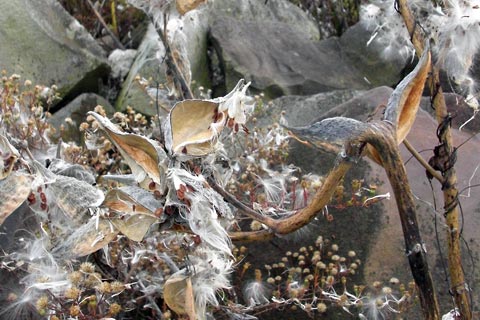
(8, 157)
(72, 196)
(404, 102)
(135, 209)
(14, 190)
(178, 294)
(192, 127)
(144, 156)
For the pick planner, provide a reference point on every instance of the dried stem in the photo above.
(178, 78)
(383, 139)
(295, 221)
(459, 288)
(240, 205)
(422, 161)
(105, 26)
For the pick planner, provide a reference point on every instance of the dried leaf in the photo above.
(14, 190)
(178, 294)
(135, 209)
(144, 156)
(194, 126)
(183, 6)
(404, 102)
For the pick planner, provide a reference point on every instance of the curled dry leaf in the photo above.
(14, 190)
(134, 211)
(144, 156)
(193, 127)
(183, 6)
(178, 294)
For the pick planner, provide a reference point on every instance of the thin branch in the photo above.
(321, 198)
(422, 161)
(172, 64)
(105, 26)
(301, 217)
(269, 222)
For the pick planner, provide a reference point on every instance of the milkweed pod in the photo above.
(192, 127)
(144, 156)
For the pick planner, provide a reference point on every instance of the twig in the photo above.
(422, 161)
(240, 205)
(171, 63)
(105, 26)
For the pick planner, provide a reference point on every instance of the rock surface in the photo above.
(146, 65)
(43, 43)
(199, 21)
(280, 60)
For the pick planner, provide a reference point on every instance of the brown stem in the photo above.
(450, 192)
(321, 198)
(295, 221)
(261, 235)
(383, 138)
(269, 222)
(422, 161)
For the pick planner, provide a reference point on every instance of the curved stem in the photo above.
(382, 138)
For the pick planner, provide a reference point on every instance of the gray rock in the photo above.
(268, 11)
(305, 110)
(77, 110)
(43, 43)
(369, 59)
(198, 22)
(146, 65)
(280, 61)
